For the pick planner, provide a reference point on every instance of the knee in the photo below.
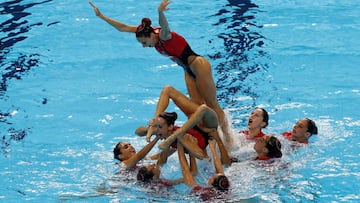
(167, 89)
(214, 105)
(203, 107)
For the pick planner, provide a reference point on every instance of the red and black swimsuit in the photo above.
(178, 50)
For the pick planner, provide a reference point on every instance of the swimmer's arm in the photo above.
(132, 161)
(116, 24)
(225, 158)
(154, 156)
(217, 161)
(193, 165)
(163, 156)
(176, 181)
(188, 177)
(165, 33)
(141, 131)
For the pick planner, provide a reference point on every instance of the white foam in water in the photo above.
(72, 87)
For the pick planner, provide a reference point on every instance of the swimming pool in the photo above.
(72, 87)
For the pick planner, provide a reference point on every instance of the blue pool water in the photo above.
(72, 87)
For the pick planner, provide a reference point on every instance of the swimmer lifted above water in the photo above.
(198, 74)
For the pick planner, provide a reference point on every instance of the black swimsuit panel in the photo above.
(184, 62)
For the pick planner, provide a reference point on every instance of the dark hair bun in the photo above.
(144, 29)
(170, 117)
(146, 22)
(221, 183)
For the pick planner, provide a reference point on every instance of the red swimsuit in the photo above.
(246, 133)
(178, 50)
(202, 139)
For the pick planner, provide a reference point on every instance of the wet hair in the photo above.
(117, 151)
(144, 174)
(265, 116)
(170, 118)
(144, 29)
(274, 147)
(311, 127)
(221, 183)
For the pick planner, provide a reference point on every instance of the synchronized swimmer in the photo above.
(205, 117)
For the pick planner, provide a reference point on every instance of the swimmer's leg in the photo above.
(207, 89)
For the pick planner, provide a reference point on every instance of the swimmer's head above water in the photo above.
(146, 34)
(148, 172)
(123, 151)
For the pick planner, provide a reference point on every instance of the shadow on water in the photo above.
(243, 53)
(13, 63)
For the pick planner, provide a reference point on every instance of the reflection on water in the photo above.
(243, 54)
(14, 64)
(15, 30)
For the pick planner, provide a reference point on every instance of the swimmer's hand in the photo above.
(151, 130)
(212, 142)
(163, 5)
(141, 131)
(213, 134)
(97, 11)
(148, 137)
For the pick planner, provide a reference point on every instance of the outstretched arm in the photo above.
(225, 158)
(164, 155)
(193, 165)
(176, 181)
(116, 24)
(141, 154)
(165, 30)
(188, 177)
(217, 161)
(141, 131)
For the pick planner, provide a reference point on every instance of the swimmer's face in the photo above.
(126, 150)
(155, 169)
(300, 131)
(256, 119)
(148, 41)
(162, 128)
(260, 144)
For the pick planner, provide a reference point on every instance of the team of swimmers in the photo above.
(205, 118)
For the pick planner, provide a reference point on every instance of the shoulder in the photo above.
(125, 170)
(286, 134)
(261, 159)
(175, 37)
(197, 189)
(260, 135)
